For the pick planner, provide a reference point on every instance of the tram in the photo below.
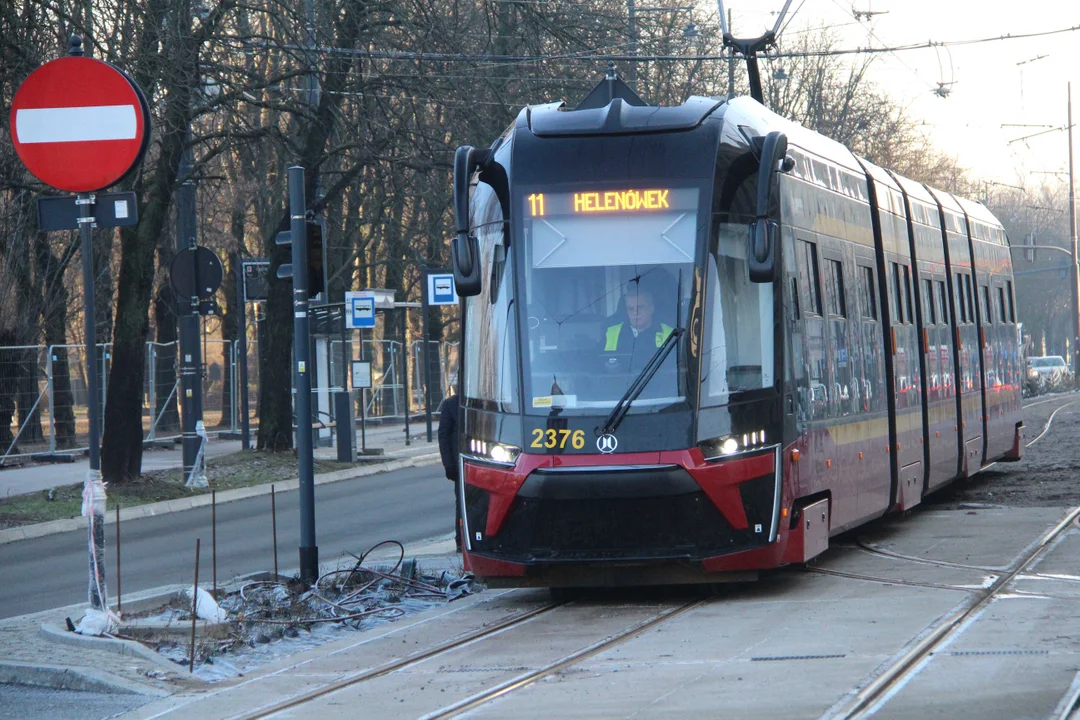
(699, 341)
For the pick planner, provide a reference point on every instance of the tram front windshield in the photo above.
(608, 278)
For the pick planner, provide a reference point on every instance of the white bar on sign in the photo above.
(76, 124)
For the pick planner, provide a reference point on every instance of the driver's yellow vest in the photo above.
(612, 336)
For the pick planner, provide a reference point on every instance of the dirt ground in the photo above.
(1047, 476)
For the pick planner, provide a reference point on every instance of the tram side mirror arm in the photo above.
(764, 231)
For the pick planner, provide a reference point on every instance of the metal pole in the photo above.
(241, 352)
(731, 56)
(405, 370)
(194, 606)
(309, 551)
(363, 402)
(213, 536)
(118, 593)
(1075, 345)
(633, 44)
(188, 321)
(426, 309)
(273, 525)
(93, 484)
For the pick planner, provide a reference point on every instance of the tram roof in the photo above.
(747, 111)
(914, 189)
(618, 118)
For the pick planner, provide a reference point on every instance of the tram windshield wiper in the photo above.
(618, 413)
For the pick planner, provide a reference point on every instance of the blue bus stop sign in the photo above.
(360, 308)
(441, 289)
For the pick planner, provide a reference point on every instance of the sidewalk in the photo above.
(34, 477)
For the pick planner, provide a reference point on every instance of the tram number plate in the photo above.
(557, 439)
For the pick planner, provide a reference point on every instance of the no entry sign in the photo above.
(79, 124)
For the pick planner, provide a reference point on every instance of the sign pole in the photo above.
(93, 489)
(425, 308)
(309, 551)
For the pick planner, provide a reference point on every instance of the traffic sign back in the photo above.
(79, 124)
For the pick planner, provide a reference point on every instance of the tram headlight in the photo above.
(731, 444)
(495, 452)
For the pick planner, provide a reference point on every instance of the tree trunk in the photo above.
(54, 317)
(275, 367)
(8, 389)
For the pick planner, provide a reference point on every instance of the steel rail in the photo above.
(528, 678)
(403, 663)
(862, 703)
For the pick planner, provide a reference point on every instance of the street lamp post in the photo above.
(1073, 346)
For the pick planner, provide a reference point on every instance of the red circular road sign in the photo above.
(79, 124)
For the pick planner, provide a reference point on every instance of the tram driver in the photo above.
(633, 335)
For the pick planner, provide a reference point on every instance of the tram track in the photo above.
(876, 693)
(528, 678)
(495, 691)
(400, 664)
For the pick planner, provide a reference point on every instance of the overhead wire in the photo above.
(872, 34)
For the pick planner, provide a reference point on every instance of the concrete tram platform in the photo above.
(793, 645)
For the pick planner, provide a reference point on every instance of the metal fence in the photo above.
(43, 403)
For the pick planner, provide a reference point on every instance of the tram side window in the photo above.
(866, 292)
(987, 317)
(907, 296)
(490, 332)
(1012, 308)
(929, 316)
(808, 273)
(961, 307)
(834, 288)
(943, 302)
(1002, 315)
(970, 298)
(897, 295)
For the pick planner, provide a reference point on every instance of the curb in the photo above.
(54, 633)
(71, 678)
(53, 527)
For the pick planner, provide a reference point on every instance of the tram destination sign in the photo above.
(625, 201)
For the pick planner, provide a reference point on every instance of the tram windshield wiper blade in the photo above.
(618, 413)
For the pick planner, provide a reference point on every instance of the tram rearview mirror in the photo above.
(464, 249)
(764, 232)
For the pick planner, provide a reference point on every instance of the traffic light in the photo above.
(316, 283)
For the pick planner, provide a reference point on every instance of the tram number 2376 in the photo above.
(552, 439)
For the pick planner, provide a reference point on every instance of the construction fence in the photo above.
(43, 396)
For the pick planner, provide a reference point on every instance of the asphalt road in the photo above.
(405, 505)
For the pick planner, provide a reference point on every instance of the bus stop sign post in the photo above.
(80, 125)
(438, 290)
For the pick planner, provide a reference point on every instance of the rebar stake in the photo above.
(194, 607)
(118, 608)
(273, 524)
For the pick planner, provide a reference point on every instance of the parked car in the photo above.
(1053, 370)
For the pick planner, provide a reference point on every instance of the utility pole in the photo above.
(633, 43)
(1074, 346)
(188, 319)
(296, 235)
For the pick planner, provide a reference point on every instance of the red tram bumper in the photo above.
(661, 517)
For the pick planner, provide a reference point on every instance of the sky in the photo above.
(992, 86)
